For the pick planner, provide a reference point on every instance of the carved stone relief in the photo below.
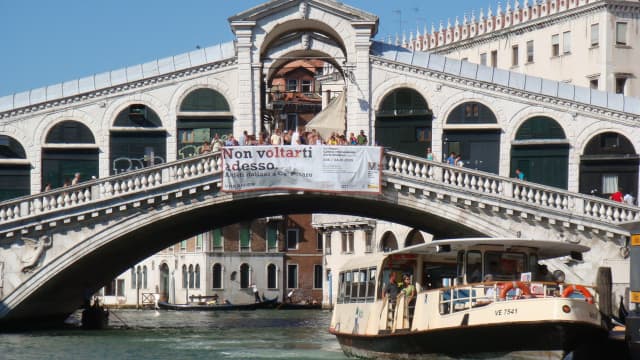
(33, 251)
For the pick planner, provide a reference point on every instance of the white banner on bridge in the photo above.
(302, 167)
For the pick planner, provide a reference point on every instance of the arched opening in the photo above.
(191, 277)
(137, 140)
(388, 242)
(609, 162)
(203, 113)
(15, 170)
(479, 148)
(244, 276)
(164, 282)
(185, 277)
(294, 95)
(272, 279)
(197, 276)
(217, 276)
(301, 71)
(414, 238)
(541, 151)
(69, 148)
(144, 276)
(404, 122)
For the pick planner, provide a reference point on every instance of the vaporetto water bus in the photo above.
(473, 296)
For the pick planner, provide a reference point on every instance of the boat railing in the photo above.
(463, 297)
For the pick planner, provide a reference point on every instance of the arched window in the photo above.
(609, 162)
(164, 281)
(144, 277)
(191, 277)
(70, 132)
(541, 151)
(404, 122)
(138, 277)
(66, 152)
(204, 100)
(244, 276)
(272, 277)
(388, 242)
(217, 276)
(478, 147)
(137, 139)
(185, 277)
(133, 278)
(414, 238)
(197, 285)
(203, 113)
(472, 113)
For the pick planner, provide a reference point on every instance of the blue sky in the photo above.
(44, 42)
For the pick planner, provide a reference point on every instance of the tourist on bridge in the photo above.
(362, 138)
(519, 174)
(617, 196)
(429, 154)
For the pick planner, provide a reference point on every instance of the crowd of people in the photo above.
(283, 137)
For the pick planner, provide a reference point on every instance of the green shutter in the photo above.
(217, 238)
(272, 236)
(244, 237)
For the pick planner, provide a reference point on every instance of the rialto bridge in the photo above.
(56, 245)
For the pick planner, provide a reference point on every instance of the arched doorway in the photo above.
(404, 122)
(164, 282)
(609, 161)
(388, 242)
(479, 148)
(541, 151)
(203, 113)
(137, 140)
(15, 170)
(414, 238)
(69, 148)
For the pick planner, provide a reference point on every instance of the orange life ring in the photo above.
(572, 288)
(513, 285)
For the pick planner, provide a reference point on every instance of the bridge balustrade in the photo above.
(454, 179)
(487, 185)
(100, 190)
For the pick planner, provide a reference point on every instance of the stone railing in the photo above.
(100, 190)
(476, 184)
(490, 186)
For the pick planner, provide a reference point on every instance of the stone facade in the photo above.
(588, 49)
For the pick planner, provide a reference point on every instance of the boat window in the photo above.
(347, 287)
(355, 280)
(460, 262)
(533, 266)
(505, 265)
(474, 266)
(362, 285)
(341, 289)
(435, 275)
(371, 285)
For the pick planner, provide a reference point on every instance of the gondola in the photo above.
(266, 304)
(299, 306)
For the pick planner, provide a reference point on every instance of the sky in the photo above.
(45, 42)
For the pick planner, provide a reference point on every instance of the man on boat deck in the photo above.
(391, 290)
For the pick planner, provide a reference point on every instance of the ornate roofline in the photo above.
(502, 24)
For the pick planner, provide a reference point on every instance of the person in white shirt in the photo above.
(629, 199)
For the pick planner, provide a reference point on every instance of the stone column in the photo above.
(358, 72)
(246, 110)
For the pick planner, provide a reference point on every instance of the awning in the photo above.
(331, 119)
